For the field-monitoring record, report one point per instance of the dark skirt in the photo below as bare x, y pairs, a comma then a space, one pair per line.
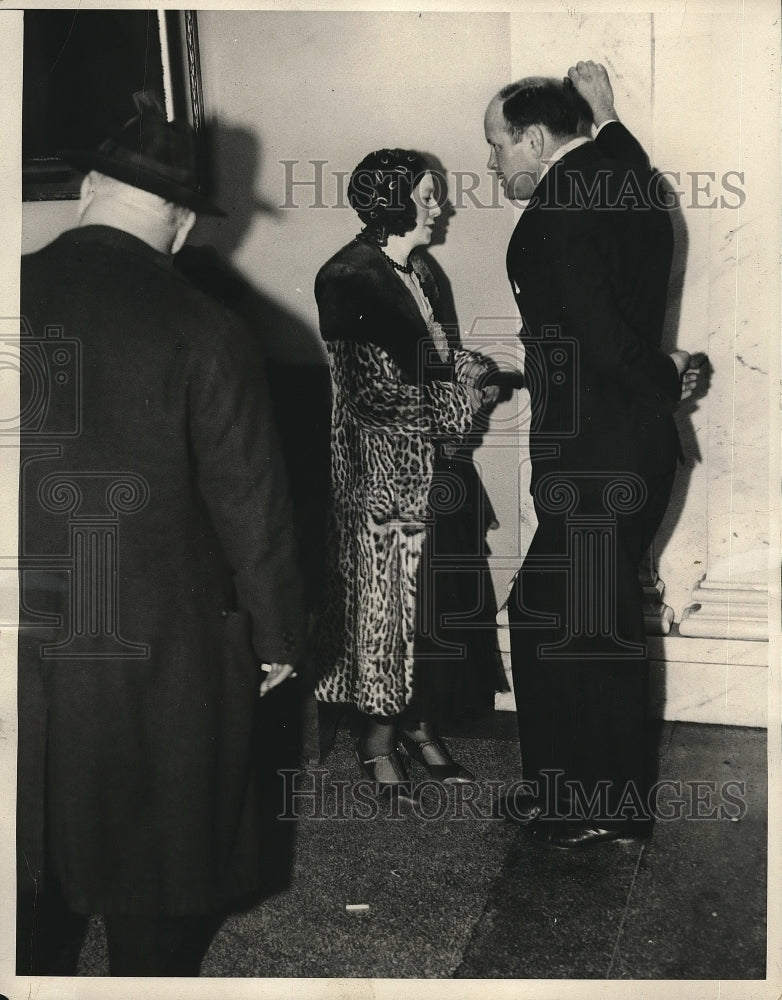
458, 667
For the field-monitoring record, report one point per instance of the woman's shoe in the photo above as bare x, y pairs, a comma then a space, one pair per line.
401, 790
449, 773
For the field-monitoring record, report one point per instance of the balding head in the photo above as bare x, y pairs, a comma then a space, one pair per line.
537, 100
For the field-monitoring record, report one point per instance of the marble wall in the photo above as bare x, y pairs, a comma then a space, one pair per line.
700, 89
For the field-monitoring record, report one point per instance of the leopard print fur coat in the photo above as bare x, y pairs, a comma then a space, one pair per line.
385, 430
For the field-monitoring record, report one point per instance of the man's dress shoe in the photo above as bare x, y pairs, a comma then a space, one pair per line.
569, 836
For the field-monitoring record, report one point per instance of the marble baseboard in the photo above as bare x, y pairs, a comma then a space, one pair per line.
721, 681
693, 680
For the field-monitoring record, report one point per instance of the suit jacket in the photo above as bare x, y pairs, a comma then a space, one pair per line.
589, 262
156, 535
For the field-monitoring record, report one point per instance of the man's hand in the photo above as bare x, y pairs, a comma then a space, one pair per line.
682, 361
591, 81
276, 673
480, 397
694, 374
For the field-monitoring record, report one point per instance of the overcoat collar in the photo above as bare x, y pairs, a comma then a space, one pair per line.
117, 239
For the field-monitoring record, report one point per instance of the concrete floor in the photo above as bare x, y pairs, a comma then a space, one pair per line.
452, 892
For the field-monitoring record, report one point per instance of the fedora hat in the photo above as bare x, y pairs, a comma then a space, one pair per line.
150, 153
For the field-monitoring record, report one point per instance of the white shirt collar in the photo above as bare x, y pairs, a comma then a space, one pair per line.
560, 152
556, 155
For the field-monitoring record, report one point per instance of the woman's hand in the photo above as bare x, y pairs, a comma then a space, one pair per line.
472, 370
472, 374
475, 395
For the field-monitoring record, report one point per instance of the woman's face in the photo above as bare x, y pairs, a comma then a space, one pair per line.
426, 211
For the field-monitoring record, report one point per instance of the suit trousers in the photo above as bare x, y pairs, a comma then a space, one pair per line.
579, 658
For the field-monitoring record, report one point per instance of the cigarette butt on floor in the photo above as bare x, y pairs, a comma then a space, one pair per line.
357, 907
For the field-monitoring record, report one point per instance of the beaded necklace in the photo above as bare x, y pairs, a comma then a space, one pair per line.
404, 268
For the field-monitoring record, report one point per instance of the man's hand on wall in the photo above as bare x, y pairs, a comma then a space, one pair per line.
591, 81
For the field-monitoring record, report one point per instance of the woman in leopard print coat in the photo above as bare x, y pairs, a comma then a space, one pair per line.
401, 398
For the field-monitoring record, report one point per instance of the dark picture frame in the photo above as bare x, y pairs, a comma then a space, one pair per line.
81, 68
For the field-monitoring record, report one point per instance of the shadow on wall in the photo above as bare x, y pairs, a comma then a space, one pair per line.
447, 315
235, 162
674, 337
298, 376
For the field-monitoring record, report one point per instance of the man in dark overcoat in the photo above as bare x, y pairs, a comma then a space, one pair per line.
158, 572
588, 263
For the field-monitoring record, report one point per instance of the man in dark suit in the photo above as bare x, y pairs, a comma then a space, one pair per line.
158, 578
588, 263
